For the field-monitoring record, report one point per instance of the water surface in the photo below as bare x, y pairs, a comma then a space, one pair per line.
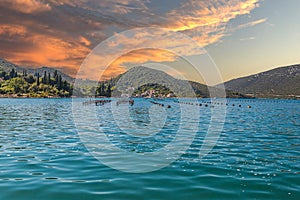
256, 157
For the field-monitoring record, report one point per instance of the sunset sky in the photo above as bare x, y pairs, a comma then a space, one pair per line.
242, 37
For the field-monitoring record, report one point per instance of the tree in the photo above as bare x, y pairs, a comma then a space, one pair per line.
3, 74
44, 79
48, 79
38, 79
98, 90
30, 79
15, 86
108, 92
65, 86
24, 73
12, 73
59, 83
102, 91
55, 76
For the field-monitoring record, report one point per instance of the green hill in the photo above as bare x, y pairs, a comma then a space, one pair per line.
20, 82
8, 66
142, 80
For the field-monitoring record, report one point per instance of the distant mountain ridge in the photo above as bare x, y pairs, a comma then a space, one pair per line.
282, 82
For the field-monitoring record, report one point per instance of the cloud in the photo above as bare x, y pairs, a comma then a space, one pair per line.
25, 6
12, 30
213, 13
94, 68
247, 39
203, 21
134, 58
84, 41
250, 24
61, 33
119, 7
38, 49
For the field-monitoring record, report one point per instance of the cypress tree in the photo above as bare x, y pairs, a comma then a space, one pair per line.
108, 93
65, 85
98, 91
59, 83
24, 73
44, 79
102, 91
55, 76
38, 79
12, 73
49, 79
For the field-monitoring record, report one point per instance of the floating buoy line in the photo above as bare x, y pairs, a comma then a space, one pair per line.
213, 103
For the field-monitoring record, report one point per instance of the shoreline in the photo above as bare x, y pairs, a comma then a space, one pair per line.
15, 96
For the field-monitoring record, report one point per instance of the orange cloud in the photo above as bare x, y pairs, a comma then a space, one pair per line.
12, 30
121, 64
26, 6
205, 23
44, 49
208, 13
84, 41
40, 42
137, 57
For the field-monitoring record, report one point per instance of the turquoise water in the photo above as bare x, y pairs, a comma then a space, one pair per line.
257, 155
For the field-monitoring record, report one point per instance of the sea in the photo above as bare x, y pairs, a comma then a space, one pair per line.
155, 149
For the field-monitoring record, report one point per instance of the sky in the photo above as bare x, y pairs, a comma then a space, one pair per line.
241, 37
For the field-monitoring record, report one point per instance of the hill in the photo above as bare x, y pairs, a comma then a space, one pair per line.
143, 81
8, 66
282, 82
16, 81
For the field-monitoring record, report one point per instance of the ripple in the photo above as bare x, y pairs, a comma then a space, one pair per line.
256, 157
51, 178
37, 174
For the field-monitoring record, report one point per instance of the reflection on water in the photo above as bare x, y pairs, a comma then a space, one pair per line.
257, 156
